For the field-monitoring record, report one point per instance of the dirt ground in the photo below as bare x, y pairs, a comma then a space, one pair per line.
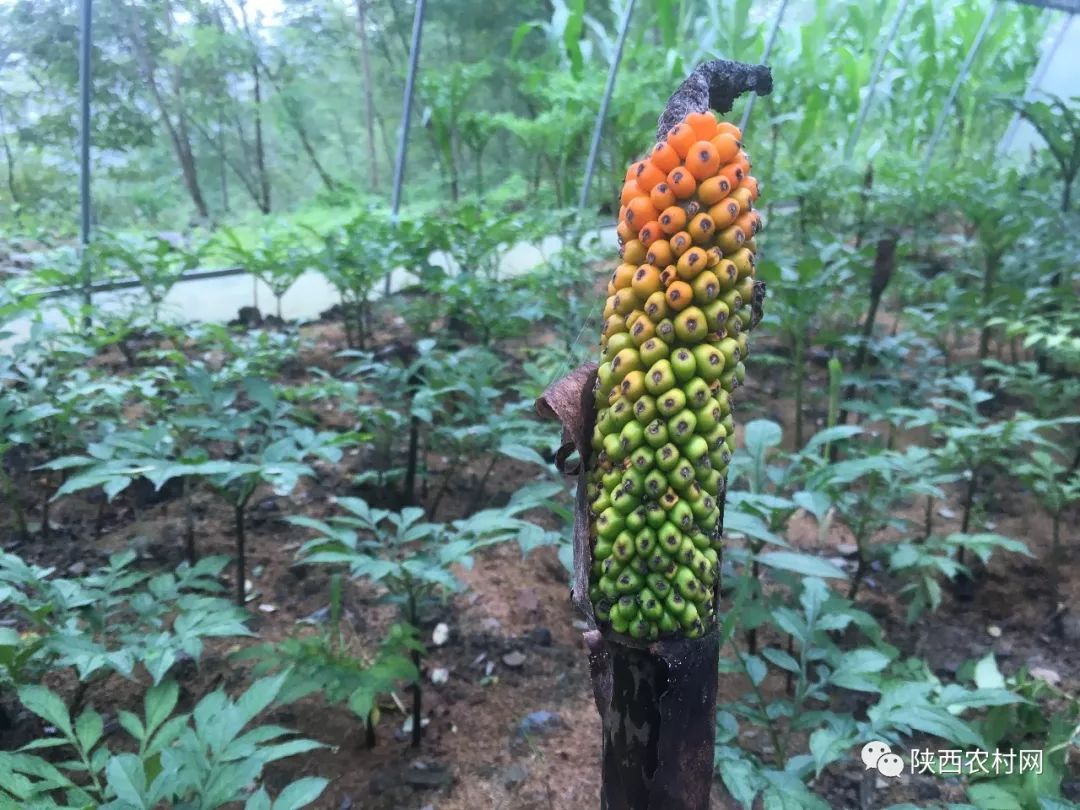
521, 731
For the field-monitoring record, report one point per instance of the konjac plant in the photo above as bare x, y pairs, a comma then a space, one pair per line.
653, 427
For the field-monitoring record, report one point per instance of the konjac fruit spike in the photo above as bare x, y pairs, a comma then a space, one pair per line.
674, 341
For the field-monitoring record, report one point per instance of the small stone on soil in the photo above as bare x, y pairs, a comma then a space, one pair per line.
540, 722
440, 634
423, 775
514, 775
540, 636
514, 660
320, 616
440, 675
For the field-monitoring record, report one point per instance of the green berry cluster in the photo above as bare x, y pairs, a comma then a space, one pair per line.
663, 439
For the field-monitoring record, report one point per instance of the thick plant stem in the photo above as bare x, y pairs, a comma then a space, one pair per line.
884, 264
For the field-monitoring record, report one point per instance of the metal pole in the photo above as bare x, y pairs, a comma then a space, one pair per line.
879, 62
965, 67
598, 128
84, 155
406, 116
770, 40
1036, 79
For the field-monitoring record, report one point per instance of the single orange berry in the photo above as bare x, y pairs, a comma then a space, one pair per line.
645, 282
609, 307
703, 124
662, 196
650, 232
630, 190
660, 253
691, 263
682, 137
727, 126
750, 222
752, 184
625, 301
713, 189
622, 276
703, 160
672, 219
625, 231
680, 243
733, 173
727, 146
668, 275
679, 295
682, 183
730, 239
744, 198
639, 211
664, 157
743, 162
701, 229
724, 213
648, 175
728, 273
633, 252
613, 324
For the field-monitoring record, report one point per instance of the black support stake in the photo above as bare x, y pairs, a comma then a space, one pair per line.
85, 41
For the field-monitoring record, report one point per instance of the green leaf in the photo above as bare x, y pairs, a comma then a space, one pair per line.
741, 779
938, 721
131, 724
301, 793
88, 729
833, 434
755, 668
260, 800
128, 780
804, 564
158, 704
780, 659
854, 665
760, 435
48, 706
522, 452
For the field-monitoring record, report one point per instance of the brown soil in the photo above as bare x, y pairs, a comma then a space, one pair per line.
473, 755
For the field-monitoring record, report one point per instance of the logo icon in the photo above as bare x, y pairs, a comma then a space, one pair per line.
877, 756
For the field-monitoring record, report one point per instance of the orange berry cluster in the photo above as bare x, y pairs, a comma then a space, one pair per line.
695, 188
